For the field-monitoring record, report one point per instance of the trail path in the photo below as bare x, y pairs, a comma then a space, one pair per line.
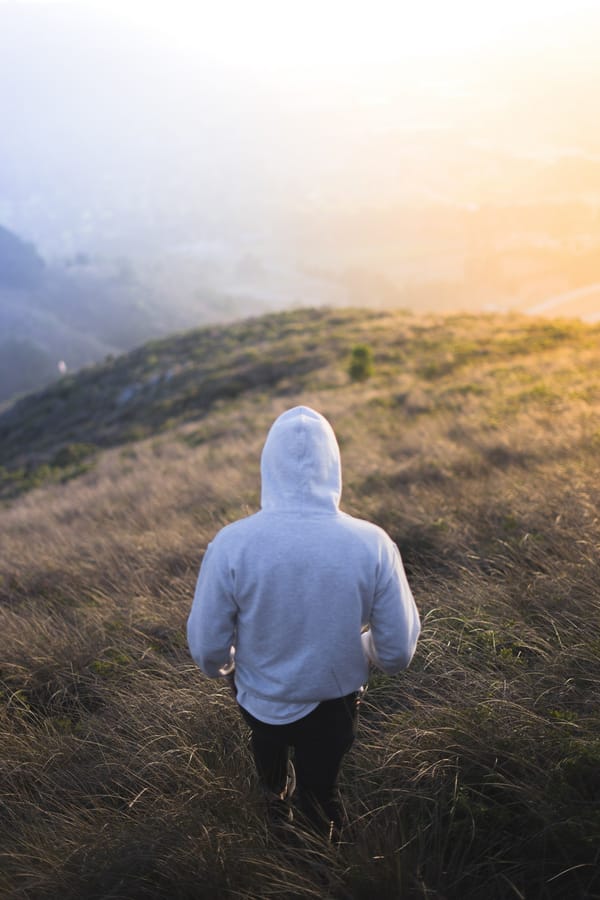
589, 292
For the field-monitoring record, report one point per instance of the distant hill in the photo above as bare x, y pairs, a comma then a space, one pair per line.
77, 312
582, 302
21, 266
83, 309
169, 381
172, 381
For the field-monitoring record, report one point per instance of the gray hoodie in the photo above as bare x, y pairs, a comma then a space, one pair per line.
291, 587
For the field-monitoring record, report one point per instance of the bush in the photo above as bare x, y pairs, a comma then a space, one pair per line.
72, 454
361, 363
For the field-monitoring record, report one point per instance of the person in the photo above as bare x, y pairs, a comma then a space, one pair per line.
304, 598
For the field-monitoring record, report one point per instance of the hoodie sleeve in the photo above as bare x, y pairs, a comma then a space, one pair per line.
212, 620
395, 625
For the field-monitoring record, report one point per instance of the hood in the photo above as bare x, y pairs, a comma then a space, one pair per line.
300, 464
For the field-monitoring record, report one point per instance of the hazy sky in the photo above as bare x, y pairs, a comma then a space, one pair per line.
288, 32
342, 31
144, 110
271, 127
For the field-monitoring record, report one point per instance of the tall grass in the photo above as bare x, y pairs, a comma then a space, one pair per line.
126, 774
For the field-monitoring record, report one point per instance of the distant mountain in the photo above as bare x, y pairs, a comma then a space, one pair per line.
21, 267
24, 366
74, 313
43, 318
86, 308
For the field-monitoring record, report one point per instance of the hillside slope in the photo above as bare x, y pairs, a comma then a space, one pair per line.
475, 444
20, 264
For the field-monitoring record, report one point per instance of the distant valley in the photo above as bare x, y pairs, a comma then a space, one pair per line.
57, 317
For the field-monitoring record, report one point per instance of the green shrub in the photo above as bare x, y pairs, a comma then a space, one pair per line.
361, 362
72, 454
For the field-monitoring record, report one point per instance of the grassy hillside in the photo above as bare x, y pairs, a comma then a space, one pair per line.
126, 774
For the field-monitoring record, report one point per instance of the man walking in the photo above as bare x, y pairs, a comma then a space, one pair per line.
289, 590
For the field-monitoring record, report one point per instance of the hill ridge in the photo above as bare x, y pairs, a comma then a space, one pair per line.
170, 381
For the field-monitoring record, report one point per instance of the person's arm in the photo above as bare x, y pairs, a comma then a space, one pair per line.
212, 621
395, 625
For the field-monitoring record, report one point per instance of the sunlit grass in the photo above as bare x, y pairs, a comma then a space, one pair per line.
126, 773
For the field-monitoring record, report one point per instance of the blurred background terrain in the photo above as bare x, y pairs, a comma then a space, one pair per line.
165, 167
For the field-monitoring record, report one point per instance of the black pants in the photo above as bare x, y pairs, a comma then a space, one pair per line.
320, 741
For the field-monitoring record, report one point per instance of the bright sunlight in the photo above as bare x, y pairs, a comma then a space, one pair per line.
268, 32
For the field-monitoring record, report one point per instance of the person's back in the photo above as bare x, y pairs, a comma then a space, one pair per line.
292, 587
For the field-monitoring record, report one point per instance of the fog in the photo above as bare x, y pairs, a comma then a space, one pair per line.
446, 177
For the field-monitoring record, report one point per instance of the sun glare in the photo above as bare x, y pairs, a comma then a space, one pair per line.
272, 32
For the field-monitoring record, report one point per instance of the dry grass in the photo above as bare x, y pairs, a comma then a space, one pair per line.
126, 774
